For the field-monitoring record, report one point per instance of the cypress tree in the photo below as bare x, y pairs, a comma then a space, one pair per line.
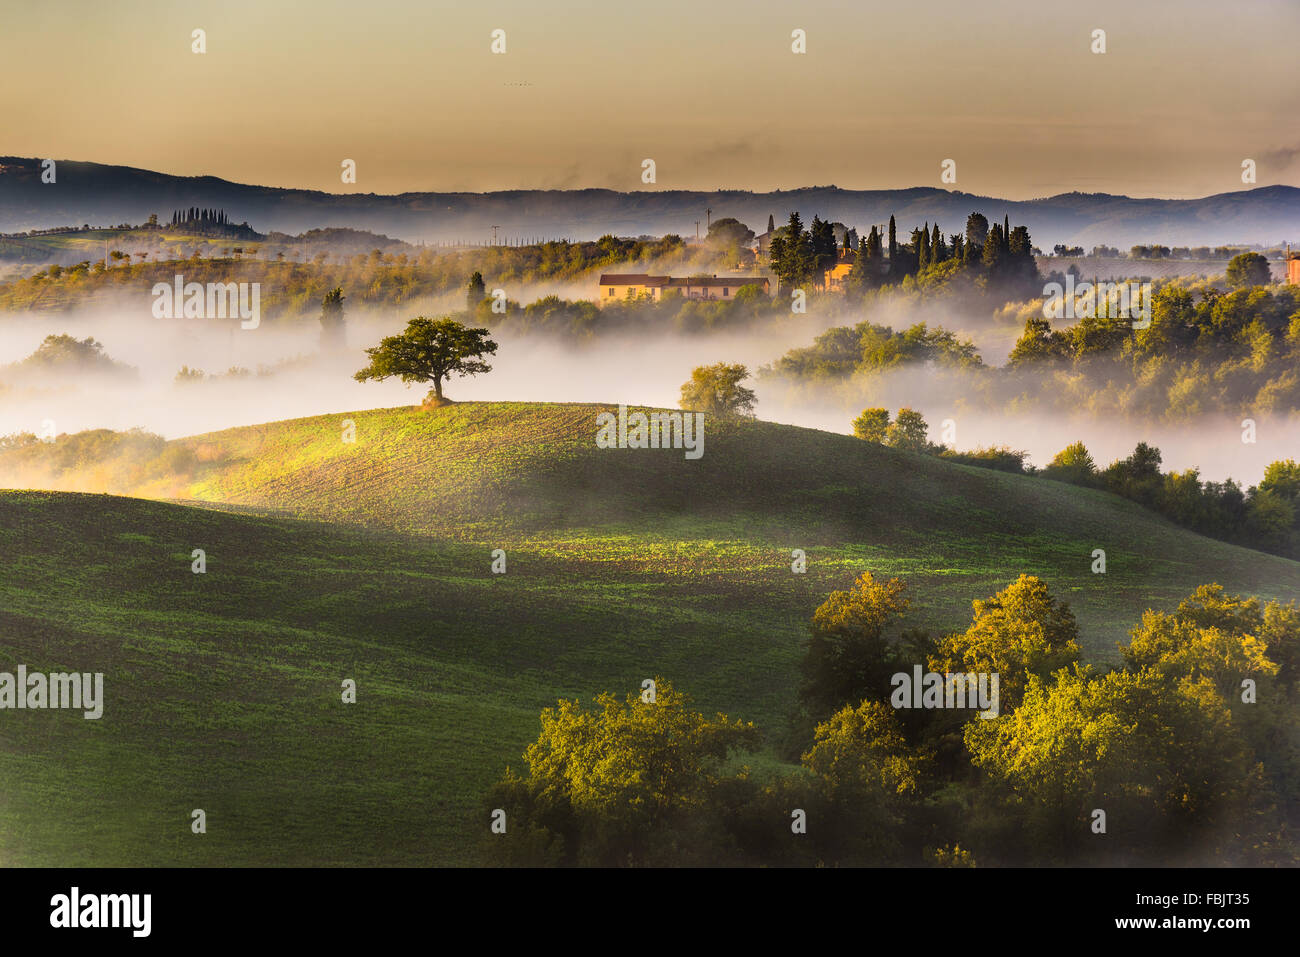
893, 239
923, 248
873, 244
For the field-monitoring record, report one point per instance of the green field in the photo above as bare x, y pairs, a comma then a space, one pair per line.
371, 560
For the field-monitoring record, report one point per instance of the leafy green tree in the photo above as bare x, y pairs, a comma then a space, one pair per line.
728, 236
874, 250
908, 431
1283, 477
864, 745
1072, 464
824, 248
1248, 269
1161, 758
618, 784
872, 425
1021, 631
716, 390
994, 255
977, 232
792, 254
67, 354
1039, 343
848, 656
1213, 635
429, 350
1138, 476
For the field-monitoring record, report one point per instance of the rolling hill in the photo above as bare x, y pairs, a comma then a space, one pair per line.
371, 560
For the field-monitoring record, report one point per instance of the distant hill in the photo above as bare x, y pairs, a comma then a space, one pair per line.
100, 194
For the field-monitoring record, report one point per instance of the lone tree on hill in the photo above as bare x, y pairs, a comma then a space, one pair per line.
429, 350
716, 390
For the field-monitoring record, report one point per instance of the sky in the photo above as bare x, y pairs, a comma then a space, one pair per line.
1010, 90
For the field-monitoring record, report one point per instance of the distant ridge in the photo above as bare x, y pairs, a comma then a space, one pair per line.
102, 195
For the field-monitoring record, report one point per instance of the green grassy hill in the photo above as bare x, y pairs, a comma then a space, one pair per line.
371, 560
530, 477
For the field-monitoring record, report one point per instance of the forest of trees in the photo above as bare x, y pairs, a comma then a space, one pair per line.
1176, 746
995, 261
998, 258
1207, 350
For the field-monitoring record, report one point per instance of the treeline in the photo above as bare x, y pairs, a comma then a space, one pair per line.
211, 222
582, 319
1206, 349
377, 279
1265, 517
844, 350
999, 260
1175, 756
1158, 251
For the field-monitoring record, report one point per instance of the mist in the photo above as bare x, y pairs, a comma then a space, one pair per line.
289, 377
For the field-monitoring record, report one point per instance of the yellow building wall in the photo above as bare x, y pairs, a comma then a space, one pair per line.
620, 292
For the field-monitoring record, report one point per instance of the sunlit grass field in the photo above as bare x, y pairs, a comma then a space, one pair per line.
371, 560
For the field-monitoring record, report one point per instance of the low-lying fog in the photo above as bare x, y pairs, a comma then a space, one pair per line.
637, 370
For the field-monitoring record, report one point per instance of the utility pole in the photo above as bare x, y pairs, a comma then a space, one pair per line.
697, 230
494, 234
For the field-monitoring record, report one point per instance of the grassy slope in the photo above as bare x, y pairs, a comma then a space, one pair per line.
223, 688
528, 476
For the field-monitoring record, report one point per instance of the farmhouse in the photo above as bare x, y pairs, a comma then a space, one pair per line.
616, 287
833, 278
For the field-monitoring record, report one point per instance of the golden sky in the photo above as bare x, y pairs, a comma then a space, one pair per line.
711, 91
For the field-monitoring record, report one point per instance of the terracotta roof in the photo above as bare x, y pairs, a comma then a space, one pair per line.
645, 279
715, 281
631, 279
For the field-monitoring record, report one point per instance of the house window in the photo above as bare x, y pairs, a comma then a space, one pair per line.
611, 290
725, 293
